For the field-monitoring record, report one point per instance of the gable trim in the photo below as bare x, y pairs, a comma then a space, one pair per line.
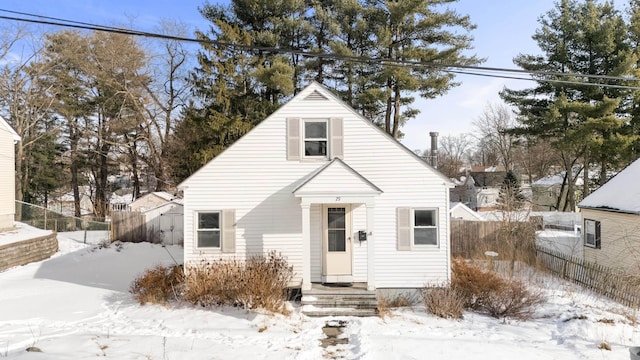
10, 129
349, 168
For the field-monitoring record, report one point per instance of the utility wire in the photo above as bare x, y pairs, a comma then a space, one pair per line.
450, 68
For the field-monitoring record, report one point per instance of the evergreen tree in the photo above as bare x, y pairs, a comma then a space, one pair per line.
580, 121
244, 84
510, 197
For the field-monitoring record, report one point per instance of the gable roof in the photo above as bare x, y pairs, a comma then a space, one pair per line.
325, 177
458, 205
620, 194
5, 124
317, 92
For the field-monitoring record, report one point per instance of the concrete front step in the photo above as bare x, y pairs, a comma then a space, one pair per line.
349, 300
314, 311
324, 302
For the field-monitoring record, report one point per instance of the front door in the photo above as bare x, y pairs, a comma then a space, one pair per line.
336, 244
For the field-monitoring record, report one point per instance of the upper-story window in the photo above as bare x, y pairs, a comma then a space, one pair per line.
315, 138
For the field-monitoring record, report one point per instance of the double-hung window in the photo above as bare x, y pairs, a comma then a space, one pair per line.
208, 229
592, 233
425, 229
316, 138
417, 228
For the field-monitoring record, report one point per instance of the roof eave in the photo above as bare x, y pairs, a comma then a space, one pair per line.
620, 211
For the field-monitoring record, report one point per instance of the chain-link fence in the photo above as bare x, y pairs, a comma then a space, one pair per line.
84, 229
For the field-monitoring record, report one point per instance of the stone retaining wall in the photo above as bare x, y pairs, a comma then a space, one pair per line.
27, 251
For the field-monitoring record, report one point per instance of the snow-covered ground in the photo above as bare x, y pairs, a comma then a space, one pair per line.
76, 305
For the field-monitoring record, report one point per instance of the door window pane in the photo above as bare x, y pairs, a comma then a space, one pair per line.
336, 229
337, 240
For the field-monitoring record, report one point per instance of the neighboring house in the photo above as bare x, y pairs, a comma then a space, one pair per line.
465, 192
611, 221
339, 198
8, 139
548, 191
150, 200
64, 204
459, 210
479, 189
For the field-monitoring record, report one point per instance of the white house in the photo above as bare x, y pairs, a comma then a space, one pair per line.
8, 138
317, 182
611, 221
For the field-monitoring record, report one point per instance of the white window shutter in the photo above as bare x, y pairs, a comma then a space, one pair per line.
228, 231
293, 139
336, 146
403, 220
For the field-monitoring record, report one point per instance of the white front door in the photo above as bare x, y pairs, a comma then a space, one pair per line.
336, 244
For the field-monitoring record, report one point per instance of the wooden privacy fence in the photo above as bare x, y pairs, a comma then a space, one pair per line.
128, 226
615, 285
471, 239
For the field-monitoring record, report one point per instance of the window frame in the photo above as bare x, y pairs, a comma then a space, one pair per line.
198, 230
414, 227
597, 236
326, 139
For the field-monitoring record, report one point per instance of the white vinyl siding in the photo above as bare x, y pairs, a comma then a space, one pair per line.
7, 178
255, 178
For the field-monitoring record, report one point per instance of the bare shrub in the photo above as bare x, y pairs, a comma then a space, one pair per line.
158, 285
387, 303
445, 302
513, 300
486, 292
258, 282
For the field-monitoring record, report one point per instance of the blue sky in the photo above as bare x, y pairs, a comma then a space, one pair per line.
504, 29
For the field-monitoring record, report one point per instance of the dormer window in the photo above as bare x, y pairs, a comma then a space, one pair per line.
315, 138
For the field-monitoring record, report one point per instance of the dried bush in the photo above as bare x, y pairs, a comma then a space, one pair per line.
486, 292
445, 302
512, 300
386, 303
473, 283
258, 282
158, 285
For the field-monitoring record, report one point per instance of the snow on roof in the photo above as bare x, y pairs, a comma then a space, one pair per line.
121, 199
556, 179
621, 193
164, 195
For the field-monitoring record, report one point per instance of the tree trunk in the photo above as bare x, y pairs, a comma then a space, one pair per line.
19, 179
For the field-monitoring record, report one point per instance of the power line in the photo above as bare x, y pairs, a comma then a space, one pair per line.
450, 68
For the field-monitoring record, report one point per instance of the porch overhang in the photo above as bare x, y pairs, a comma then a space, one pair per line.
336, 183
